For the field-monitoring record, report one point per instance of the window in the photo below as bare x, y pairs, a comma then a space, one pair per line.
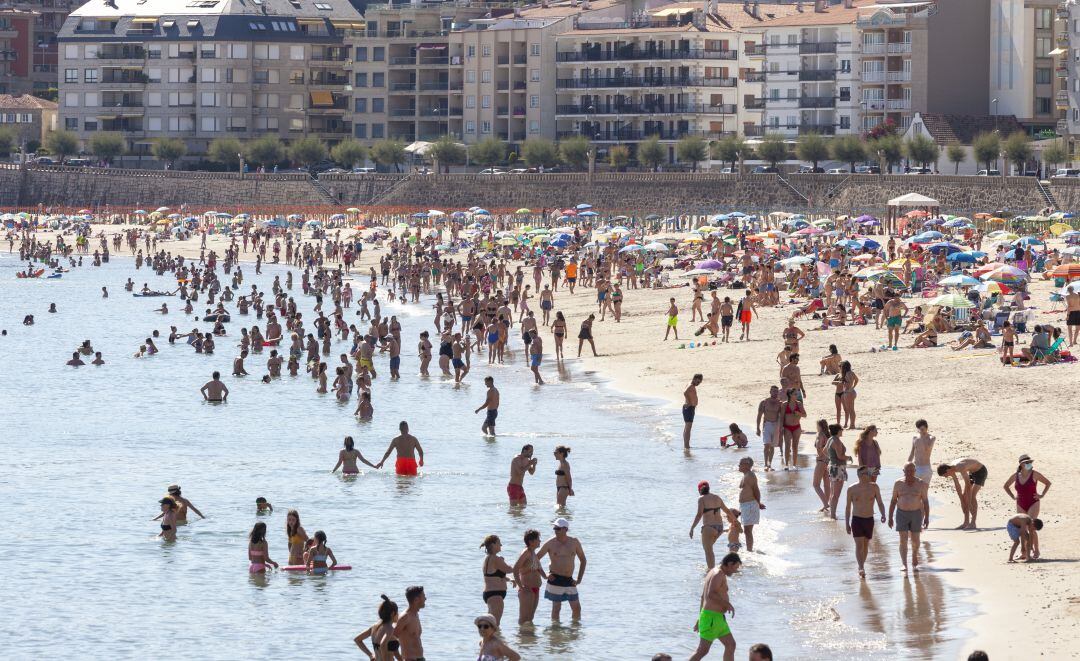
91, 99
154, 75
485, 76
792, 39
485, 127
361, 54
238, 100
296, 77
153, 99
296, 102
377, 131
774, 94
71, 123
845, 66
1042, 76
534, 75
1042, 105
210, 99
296, 52
845, 93
470, 51
470, 126
485, 50
534, 126
534, 50
210, 124
266, 123
378, 79
71, 51
267, 52
71, 100
1044, 18
378, 54
210, 75
470, 101
470, 76
90, 125
90, 75
71, 75
237, 76
1042, 47
791, 94
774, 122
360, 130
153, 123
296, 125
361, 79
360, 105
485, 101
534, 101
378, 105
322, 6
237, 51
845, 122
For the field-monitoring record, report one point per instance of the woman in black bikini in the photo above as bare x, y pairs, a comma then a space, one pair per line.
495, 570
558, 328
709, 507
585, 335
564, 484
381, 634
168, 519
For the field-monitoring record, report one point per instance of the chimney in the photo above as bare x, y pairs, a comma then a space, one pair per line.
820, 5
848, 4
754, 10
746, 6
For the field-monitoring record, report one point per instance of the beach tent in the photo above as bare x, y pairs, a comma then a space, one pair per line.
900, 207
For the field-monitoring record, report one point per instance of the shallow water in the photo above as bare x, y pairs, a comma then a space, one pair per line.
86, 453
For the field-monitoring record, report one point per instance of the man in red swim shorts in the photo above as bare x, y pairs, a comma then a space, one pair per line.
521, 464
407, 448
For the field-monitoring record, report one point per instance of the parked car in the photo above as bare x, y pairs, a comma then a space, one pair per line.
363, 170
988, 173
806, 169
492, 171
727, 171
44, 160
920, 171
867, 169
1066, 172
336, 171
837, 171
521, 171
765, 169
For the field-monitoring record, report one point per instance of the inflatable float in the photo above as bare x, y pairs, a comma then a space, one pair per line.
35, 274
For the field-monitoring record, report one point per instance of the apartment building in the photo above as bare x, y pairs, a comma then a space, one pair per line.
668, 70
217, 68
49, 17
1067, 71
16, 50
1026, 35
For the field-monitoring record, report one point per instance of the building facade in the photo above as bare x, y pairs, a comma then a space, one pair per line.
29, 117
219, 68
16, 51
1026, 36
49, 17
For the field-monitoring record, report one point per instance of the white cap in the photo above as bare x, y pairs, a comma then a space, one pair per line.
561, 523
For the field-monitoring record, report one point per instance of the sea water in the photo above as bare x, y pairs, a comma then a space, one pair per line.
86, 453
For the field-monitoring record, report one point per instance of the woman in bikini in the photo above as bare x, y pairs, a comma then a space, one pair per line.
347, 458
564, 483
845, 383
168, 519
492, 646
558, 329
868, 452
836, 453
529, 576
381, 634
822, 485
258, 551
297, 537
709, 509
792, 429
495, 570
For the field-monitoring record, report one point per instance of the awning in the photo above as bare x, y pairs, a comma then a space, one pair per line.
168, 24
1059, 51
431, 47
673, 11
146, 20
321, 99
107, 117
349, 25
310, 21
192, 24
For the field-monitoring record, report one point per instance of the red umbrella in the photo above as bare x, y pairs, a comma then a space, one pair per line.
1068, 271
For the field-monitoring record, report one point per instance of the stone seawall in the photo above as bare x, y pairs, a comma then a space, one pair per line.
636, 193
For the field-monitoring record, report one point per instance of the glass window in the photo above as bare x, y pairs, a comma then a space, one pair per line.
485, 76
378, 105
470, 101
153, 123
534, 75
71, 123
1042, 47
486, 51
470, 76
534, 101
534, 126
360, 130
90, 125
71, 75
1043, 18
377, 131
378, 53
1042, 105
485, 127
378, 79
361, 80
470, 126
485, 101
534, 50
361, 55
90, 75
361, 105
1042, 76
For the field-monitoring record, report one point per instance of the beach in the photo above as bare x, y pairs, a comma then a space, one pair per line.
974, 405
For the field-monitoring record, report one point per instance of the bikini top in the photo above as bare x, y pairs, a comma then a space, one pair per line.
560, 473
498, 573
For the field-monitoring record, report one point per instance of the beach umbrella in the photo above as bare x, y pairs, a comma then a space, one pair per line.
1070, 234
705, 229
823, 222
1005, 274
653, 216
420, 214
737, 214
656, 246
944, 247
435, 212
1068, 271
620, 230
1071, 288
352, 210
481, 212
506, 241
161, 210
582, 207
865, 218
560, 243
1029, 241
962, 257
313, 224
959, 281
849, 244
774, 234
917, 213
1057, 229
523, 210
993, 288
693, 239
710, 265
809, 231
633, 247
82, 211
588, 214
952, 301
539, 230
797, 260
696, 272
901, 263
865, 257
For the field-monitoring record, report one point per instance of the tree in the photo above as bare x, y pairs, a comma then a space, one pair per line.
107, 145
62, 144
651, 153
7, 140
266, 151
574, 151
888, 127
692, 149
812, 147
1055, 154
308, 151
987, 147
169, 150
729, 150
1017, 148
618, 157
849, 149
488, 151
889, 148
922, 150
348, 153
388, 152
32, 146
445, 152
538, 152
225, 151
772, 149
956, 155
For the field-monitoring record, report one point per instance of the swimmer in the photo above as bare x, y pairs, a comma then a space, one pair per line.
529, 577
561, 584
238, 365
297, 537
183, 504
52, 308
75, 360
168, 519
407, 448
491, 403
214, 390
98, 360
262, 505
521, 464
316, 563
364, 409
347, 458
258, 551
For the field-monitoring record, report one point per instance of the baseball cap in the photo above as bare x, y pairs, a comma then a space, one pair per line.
561, 523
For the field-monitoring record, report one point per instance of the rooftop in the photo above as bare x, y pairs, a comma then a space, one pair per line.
270, 8
962, 129
25, 102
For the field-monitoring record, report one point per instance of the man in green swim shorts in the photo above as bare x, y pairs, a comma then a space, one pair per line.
712, 622
894, 312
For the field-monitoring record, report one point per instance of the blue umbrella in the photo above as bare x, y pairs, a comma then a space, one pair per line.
481, 212
584, 206
588, 213
869, 243
560, 243
737, 214
720, 217
850, 244
944, 247
962, 257
420, 214
458, 214
1028, 241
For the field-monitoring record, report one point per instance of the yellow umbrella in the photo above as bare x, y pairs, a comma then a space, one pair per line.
161, 221
523, 210
507, 241
998, 221
693, 239
705, 229
900, 263
1058, 228
352, 210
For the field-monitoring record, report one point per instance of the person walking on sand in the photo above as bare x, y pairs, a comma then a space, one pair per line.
536, 358
672, 319
973, 473
491, 403
836, 452
893, 312
690, 402
716, 605
911, 505
750, 504
709, 508
408, 448
408, 629
561, 586
859, 514
585, 335
921, 447
746, 312
821, 482
768, 423
1028, 501
521, 464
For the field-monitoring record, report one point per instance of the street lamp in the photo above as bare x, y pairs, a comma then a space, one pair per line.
995, 102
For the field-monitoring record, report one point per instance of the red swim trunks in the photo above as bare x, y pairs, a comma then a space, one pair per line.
515, 491
746, 316
405, 466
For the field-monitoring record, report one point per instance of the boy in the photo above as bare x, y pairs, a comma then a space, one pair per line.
734, 531
262, 505
1019, 528
921, 447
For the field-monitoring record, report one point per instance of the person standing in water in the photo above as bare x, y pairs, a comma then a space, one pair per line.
521, 464
750, 504
859, 514
495, 570
214, 390
297, 537
168, 519
408, 629
690, 402
715, 606
258, 551
407, 448
348, 457
380, 633
492, 646
529, 576
317, 555
561, 586
564, 482
182, 504
709, 508
491, 403
911, 505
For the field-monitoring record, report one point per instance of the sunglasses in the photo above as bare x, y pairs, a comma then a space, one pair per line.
483, 626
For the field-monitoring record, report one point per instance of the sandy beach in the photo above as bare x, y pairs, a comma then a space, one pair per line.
974, 405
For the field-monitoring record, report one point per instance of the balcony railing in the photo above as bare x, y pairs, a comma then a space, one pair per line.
437, 112
753, 130
125, 54
503, 59
647, 81
821, 129
622, 135
403, 112
873, 49
873, 76
903, 47
403, 87
625, 54
876, 105
817, 102
502, 85
521, 59
898, 76
435, 86
813, 48
897, 104
754, 76
403, 61
329, 80
124, 77
647, 109
754, 104
757, 50
502, 110
817, 74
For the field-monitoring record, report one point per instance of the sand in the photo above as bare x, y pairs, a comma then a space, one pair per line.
974, 405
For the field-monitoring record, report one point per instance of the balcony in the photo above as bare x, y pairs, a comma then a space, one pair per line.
754, 76
898, 104
433, 61
817, 102
753, 130
403, 61
873, 76
435, 86
625, 134
502, 110
873, 105
318, 79
626, 54
502, 85
899, 49
757, 50
816, 75
403, 87
873, 49
754, 104
402, 112
121, 54
647, 109
518, 137
817, 48
820, 129
521, 59
1061, 100
502, 59
124, 77
337, 106
438, 111
898, 76
1062, 72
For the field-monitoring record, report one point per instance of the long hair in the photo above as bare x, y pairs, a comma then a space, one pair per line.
258, 533
290, 529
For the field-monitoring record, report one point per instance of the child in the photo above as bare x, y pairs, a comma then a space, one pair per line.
262, 505
294, 365
738, 438
734, 531
1019, 528
364, 409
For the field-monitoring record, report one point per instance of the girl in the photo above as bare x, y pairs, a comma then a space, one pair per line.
347, 459
495, 570
738, 438
709, 507
564, 483
316, 563
296, 536
381, 634
845, 383
792, 429
558, 329
258, 551
529, 576
822, 486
